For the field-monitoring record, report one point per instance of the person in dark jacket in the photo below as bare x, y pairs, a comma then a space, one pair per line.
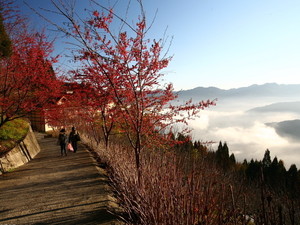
62, 140
73, 138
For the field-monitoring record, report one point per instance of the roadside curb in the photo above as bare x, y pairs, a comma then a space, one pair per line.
25, 151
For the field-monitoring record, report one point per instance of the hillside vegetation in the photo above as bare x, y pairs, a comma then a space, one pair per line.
191, 184
12, 133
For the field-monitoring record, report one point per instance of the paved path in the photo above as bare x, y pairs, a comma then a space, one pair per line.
55, 190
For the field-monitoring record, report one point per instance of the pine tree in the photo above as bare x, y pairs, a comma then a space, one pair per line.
292, 180
253, 170
266, 166
5, 42
222, 156
219, 153
232, 160
276, 176
267, 159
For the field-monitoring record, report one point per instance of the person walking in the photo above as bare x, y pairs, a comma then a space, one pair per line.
62, 140
74, 138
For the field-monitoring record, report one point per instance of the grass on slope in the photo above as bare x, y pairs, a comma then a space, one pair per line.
12, 133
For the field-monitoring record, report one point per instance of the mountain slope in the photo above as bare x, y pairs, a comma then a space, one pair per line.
293, 107
253, 91
289, 129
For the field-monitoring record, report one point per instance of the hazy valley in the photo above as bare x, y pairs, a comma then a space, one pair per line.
251, 120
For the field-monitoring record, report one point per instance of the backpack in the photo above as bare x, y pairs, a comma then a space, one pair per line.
62, 138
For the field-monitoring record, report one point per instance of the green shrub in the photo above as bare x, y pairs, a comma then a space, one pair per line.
12, 133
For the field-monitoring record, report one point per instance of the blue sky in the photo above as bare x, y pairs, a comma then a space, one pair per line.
226, 44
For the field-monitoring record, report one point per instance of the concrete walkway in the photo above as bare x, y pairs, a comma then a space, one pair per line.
52, 189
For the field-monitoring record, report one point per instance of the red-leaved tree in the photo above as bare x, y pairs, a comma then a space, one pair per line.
27, 80
126, 68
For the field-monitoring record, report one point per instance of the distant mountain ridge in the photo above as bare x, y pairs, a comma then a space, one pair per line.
293, 107
264, 90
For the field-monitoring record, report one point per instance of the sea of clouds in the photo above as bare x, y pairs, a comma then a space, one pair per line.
248, 134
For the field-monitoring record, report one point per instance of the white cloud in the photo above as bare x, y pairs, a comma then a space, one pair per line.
201, 123
246, 134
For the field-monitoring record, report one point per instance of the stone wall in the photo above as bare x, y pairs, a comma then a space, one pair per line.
21, 154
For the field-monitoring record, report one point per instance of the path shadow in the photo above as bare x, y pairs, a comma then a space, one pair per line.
52, 189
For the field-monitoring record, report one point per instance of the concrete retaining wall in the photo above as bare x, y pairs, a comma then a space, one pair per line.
21, 154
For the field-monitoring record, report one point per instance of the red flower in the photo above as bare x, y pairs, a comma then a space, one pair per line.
96, 14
